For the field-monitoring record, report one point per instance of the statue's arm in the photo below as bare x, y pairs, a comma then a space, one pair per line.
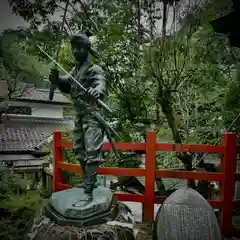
64, 83
97, 77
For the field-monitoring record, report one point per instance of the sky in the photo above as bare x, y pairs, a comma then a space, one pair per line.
7, 19
10, 20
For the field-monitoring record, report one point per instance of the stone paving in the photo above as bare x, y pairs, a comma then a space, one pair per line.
136, 209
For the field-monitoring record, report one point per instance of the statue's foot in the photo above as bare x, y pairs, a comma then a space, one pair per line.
82, 185
88, 189
84, 201
90, 197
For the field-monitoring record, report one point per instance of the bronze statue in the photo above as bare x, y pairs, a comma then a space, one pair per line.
88, 133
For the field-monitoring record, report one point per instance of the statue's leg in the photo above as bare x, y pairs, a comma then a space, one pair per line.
78, 145
93, 141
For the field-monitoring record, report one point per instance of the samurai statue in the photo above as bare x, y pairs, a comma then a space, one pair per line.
88, 134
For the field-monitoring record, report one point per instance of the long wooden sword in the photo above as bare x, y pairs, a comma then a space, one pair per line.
99, 102
52, 88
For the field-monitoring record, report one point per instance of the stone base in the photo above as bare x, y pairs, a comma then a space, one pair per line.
119, 227
72, 207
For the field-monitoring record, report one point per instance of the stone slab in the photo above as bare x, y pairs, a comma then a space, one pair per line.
185, 214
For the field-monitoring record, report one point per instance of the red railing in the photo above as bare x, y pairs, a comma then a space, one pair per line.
226, 176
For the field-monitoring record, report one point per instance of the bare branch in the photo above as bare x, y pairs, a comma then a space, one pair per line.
88, 16
63, 8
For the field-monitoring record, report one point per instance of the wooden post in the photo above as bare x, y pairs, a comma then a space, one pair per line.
149, 197
44, 178
228, 167
57, 157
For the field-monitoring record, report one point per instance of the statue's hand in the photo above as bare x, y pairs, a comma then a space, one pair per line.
53, 76
94, 93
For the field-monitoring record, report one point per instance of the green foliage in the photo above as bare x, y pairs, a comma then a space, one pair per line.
22, 209
68, 154
124, 160
68, 111
122, 58
185, 75
231, 107
17, 62
168, 160
180, 79
29, 10
17, 66
21, 205
11, 184
66, 56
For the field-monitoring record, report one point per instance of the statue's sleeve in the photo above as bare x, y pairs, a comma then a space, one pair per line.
97, 77
64, 83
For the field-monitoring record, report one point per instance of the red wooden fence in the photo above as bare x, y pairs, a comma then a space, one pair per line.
226, 176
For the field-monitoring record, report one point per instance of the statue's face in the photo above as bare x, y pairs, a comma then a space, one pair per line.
80, 53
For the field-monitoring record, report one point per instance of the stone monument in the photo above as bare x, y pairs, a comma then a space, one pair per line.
185, 214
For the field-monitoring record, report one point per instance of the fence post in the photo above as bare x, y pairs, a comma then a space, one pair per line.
57, 157
149, 196
228, 167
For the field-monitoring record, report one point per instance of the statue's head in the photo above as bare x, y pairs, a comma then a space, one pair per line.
81, 47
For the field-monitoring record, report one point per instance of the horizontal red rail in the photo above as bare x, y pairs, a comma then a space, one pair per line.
107, 146
238, 149
167, 147
189, 175
237, 176
105, 171
126, 197
141, 172
236, 203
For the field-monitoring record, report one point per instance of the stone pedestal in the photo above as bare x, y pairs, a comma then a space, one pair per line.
69, 215
72, 207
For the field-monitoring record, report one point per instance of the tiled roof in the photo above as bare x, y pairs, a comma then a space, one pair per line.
23, 133
42, 95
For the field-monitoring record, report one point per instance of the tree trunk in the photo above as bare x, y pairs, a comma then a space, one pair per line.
164, 100
164, 23
138, 7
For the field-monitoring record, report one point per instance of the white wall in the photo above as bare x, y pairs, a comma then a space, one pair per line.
47, 110
43, 110
4, 88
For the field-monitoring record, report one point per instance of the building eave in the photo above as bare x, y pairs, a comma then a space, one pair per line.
31, 152
22, 117
44, 102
